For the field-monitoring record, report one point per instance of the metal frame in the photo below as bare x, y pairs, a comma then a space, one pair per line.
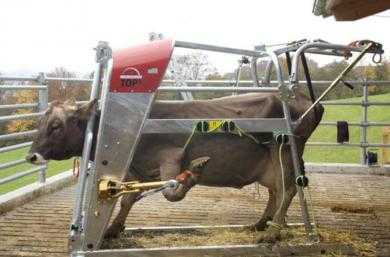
119, 134
40, 106
90, 215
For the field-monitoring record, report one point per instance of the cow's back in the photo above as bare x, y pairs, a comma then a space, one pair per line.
253, 105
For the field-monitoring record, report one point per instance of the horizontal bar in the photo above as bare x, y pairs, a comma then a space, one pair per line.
16, 87
20, 175
68, 79
346, 144
362, 103
166, 126
218, 89
11, 164
14, 147
221, 49
19, 78
357, 124
335, 102
222, 82
17, 106
334, 123
20, 116
18, 135
316, 249
128, 231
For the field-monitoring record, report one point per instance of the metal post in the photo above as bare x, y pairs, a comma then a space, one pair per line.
43, 102
293, 147
363, 129
103, 54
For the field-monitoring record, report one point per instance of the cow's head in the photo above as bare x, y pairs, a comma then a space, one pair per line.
61, 132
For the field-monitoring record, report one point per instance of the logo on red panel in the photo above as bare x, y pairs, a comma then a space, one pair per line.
130, 77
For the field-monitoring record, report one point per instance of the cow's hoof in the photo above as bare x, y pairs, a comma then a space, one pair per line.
261, 225
272, 235
113, 231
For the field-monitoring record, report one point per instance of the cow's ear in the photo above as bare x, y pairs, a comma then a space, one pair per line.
86, 110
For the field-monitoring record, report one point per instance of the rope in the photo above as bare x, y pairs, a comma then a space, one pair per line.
312, 210
282, 174
239, 131
190, 138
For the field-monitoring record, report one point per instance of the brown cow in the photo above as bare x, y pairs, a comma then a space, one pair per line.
162, 157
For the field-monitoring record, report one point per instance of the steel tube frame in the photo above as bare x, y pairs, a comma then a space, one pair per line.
18, 78
305, 47
15, 87
20, 175
81, 185
334, 83
18, 106
11, 164
14, 147
292, 145
218, 89
20, 116
366, 145
220, 49
363, 129
18, 135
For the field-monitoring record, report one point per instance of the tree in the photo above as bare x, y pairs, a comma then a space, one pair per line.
62, 90
19, 97
193, 66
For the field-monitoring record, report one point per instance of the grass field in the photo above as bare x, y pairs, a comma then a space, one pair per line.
54, 167
350, 114
312, 154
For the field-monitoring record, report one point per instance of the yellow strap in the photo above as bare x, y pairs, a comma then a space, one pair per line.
214, 125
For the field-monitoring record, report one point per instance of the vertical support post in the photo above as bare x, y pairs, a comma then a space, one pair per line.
363, 128
43, 102
285, 96
103, 54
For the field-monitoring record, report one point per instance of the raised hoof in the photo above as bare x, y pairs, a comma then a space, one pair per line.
272, 235
198, 164
113, 231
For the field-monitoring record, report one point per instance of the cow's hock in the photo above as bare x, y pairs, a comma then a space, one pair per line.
187, 179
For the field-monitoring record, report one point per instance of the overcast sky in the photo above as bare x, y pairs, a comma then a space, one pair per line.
40, 35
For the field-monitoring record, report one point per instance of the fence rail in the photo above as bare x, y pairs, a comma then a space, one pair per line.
168, 86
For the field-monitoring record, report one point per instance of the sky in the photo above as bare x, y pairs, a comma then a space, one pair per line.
40, 35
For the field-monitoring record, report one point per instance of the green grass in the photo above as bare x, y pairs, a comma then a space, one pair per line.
54, 167
350, 114
312, 153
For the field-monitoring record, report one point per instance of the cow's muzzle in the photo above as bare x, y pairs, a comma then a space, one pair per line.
35, 158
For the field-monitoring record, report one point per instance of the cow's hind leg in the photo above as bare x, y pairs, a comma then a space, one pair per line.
268, 212
283, 202
117, 225
171, 169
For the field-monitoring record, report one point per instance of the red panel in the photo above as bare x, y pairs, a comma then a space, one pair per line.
140, 69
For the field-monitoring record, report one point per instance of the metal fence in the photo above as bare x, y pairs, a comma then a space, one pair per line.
41, 86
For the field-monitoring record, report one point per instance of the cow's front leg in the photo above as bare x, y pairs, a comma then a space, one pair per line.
118, 223
269, 212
